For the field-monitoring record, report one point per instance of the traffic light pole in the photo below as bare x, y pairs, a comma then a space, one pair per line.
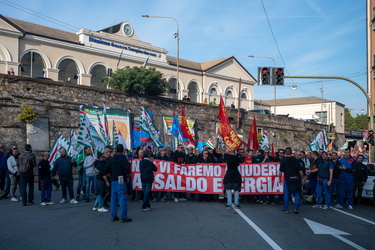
370, 106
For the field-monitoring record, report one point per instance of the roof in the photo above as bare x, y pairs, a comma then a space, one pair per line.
298, 101
36, 29
202, 66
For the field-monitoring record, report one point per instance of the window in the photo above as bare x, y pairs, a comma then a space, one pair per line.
229, 94
193, 92
32, 65
68, 70
322, 116
98, 72
243, 96
172, 93
213, 91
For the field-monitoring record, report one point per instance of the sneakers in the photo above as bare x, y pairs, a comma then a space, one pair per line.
102, 210
147, 209
227, 206
325, 207
317, 206
94, 209
237, 206
285, 211
295, 211
14, 199
162, 200
350, 207
125, 220
175, 200
338, 206
74, 201
50, 203
62, 201
182, 199
43, 203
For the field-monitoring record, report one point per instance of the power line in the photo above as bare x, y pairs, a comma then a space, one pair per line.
41, 16
274, 38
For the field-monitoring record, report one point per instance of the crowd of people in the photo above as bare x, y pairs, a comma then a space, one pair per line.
107, 177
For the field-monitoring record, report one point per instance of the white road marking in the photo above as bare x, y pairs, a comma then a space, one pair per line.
355, 216
258, 230
348, 242
319, 228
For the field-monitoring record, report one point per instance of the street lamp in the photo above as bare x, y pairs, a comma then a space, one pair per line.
177, 37
274, 86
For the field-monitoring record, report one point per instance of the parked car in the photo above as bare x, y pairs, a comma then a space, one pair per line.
261, 111
369, 185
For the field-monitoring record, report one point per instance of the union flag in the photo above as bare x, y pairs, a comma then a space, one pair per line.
225, 130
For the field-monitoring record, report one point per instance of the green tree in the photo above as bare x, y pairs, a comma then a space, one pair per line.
137, 80
360, 122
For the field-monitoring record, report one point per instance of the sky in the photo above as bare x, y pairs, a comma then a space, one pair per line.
313, 37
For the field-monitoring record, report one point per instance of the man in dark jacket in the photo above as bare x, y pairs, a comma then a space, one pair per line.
44, 172
147, 169
26, 163
64, 167
119, 170
360, 178
293, 176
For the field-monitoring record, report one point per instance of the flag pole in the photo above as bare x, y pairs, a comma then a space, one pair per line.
239, 105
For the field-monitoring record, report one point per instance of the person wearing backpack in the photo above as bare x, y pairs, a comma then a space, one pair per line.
26, 163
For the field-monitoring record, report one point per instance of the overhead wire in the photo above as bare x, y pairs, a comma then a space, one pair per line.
39, 15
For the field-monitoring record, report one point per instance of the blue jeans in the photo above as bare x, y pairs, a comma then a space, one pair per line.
327, 192
27, 180
346, 187
312, 186
118, 190
146, 188
81, 183
296, 195
99, 201
67, 182
46, 189
335, 185
89, 179
229, 197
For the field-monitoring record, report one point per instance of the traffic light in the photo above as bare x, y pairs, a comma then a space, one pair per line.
278, 75
371, 137
264, 75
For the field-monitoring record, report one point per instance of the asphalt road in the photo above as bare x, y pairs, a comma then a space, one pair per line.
183, 225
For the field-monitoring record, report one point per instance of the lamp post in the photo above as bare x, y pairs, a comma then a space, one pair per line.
177, 37
274, 86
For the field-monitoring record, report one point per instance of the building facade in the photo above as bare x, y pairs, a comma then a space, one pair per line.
324, 111
86, 57
371, 50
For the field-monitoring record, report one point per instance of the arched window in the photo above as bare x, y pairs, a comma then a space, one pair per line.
193, 92
229, 94
98, 72
32, 65
243, 96
173, 91
68, 70
213, 91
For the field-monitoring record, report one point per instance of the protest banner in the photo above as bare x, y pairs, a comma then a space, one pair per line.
208, 178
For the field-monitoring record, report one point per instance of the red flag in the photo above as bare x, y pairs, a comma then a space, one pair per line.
184, 127
226, 131
253, 137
